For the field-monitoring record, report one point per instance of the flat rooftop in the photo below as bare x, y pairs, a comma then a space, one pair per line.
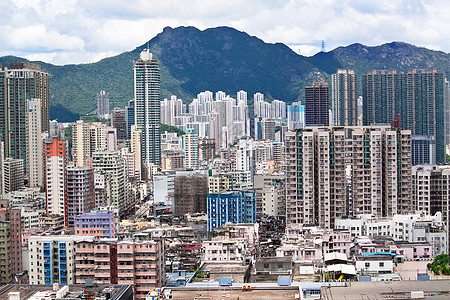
226, 293
75, 291
374, 290
236, 271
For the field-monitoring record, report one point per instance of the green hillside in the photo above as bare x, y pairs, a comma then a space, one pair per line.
220, 58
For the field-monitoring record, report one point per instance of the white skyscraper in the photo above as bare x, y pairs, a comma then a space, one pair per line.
34, 149
147, 106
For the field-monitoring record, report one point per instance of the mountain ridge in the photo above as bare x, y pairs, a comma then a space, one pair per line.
220, 58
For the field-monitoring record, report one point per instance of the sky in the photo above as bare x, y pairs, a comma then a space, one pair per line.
83, 31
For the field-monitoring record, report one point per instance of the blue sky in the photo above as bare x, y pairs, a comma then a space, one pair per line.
76, 31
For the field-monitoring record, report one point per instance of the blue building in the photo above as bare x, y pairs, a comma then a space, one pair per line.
296, 116
258, 129
129, 117
234, 207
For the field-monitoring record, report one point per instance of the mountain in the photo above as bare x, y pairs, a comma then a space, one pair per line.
224, 59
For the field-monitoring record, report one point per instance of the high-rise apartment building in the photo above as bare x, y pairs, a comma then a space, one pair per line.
206, 149
268, 129
129, 117
295, 116
13, 174
55, 170
14, 217
80, 196
5, 252
447, 113
18, 84
270, 195
112, 163
170, 109
35, 145
136, 148
423, 150
245, 156
316, 104
2, 170
344, 99
431, 190
430, 184
147, 106
88, 138
190, 145
333, 172
119, 123
103, 104
417, 96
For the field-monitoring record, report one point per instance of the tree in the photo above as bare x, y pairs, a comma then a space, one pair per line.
440, 265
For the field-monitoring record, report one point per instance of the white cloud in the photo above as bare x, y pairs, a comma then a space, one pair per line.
40, 38
73, 31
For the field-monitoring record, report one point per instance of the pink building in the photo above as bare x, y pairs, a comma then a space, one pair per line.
96, 260
244, 231
225, 250
13, 215
412, 250
138, 263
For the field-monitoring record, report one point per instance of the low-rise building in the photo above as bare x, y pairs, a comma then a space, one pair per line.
225, 251
52, 258
96, 223
412, 228
369, 264
274, 265
109, 261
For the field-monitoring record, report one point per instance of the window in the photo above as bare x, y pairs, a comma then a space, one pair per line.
367, 265
381, 264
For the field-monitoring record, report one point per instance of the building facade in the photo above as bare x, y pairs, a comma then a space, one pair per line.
52, 259
344, 99
35, 145
190, 194
137, 263
96, 223
13, 174
119, 123
5, 252
18, 84
55, 172
103, 104
417, 96
147, 106
80, 196
14, 217
233, 207
316, 104
190, 145
112, 163
337, 171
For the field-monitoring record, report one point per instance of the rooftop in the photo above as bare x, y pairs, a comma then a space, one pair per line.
75, 291
434, 289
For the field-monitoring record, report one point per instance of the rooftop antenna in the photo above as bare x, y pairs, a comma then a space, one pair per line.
323, 46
